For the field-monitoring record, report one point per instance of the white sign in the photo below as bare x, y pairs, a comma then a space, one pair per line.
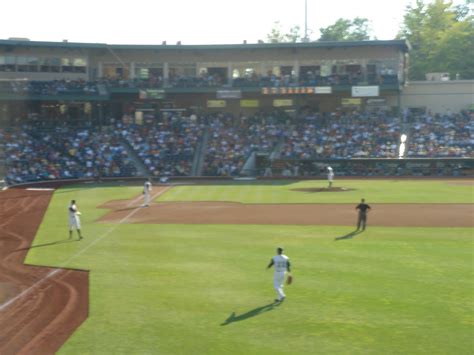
323, 90
365, 91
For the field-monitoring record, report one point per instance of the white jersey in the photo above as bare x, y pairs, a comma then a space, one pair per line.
147, 188
74, 220
330, 175
280, 262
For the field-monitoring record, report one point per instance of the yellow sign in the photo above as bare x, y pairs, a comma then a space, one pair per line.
249, 103
282, 103
216, 103
351, 102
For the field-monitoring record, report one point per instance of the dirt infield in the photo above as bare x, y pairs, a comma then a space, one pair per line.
392, 215
39, 310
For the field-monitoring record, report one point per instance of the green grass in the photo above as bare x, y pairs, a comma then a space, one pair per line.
169, 289
375, 191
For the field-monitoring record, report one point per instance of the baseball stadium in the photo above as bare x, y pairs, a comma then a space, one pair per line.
146, 188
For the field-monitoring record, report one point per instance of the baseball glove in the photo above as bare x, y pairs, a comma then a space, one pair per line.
289, 280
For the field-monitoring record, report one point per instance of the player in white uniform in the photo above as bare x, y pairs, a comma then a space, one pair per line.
330, 177
147, 193
74, 220
282, 265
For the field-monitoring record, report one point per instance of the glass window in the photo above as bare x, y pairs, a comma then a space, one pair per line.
79, 62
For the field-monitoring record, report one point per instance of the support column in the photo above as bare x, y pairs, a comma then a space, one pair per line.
296, 69
100, 70
229, 73
132, 70
166, 73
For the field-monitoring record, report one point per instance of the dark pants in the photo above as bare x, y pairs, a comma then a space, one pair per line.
361, 220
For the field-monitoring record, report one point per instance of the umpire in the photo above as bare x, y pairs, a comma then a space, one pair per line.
363, 210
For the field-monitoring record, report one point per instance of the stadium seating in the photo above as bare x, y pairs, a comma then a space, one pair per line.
169, 146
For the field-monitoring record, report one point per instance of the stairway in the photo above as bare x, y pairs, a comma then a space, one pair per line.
139, 165
200, 154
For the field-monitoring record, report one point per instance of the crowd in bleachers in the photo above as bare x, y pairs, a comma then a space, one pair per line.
64, 153
440, 136
232, 140
54, 87
169, 146
247, 79
348, 135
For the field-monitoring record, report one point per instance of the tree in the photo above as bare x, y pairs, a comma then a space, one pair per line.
346, 30
278, 36
442, 38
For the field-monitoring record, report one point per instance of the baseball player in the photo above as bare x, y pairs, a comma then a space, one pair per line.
147, 193
282, 265
363, 210
330, 177
74, 220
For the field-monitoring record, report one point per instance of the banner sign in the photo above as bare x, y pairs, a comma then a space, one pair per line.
297, 90
282, 103
216, 103
376, 102
351, 102
229, 94
249, 103
323, 90
365, 91
150, 94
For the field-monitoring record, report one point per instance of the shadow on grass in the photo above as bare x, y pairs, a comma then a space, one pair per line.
48, 244
252, 313
349, 235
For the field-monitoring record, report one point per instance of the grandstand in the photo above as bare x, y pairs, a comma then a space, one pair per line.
79, 110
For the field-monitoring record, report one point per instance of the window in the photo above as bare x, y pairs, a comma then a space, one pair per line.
67, 65
79, 65
7, 63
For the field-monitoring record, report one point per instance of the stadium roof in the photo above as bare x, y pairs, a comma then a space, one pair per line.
402, 44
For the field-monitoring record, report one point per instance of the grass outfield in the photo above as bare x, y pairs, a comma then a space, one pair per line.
204, 289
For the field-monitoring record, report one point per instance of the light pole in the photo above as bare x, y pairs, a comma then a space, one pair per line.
305, 39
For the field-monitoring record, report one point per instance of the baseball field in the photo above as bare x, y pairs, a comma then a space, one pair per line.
188, 275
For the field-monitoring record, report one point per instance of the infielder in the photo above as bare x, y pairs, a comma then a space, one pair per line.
74, 220
147, 193
330, 177
282, 265
363, 210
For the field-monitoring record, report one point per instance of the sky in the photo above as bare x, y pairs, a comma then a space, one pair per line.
188, 21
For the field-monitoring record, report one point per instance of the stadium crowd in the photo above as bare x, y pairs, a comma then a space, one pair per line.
440, 136
223, 142
63, 153
166, 148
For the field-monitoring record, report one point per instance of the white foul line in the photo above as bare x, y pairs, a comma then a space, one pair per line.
60, 268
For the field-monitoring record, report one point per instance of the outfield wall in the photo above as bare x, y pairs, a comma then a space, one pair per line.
419, 167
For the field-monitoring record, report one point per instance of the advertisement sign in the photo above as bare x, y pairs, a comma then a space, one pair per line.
229, 94
216, 103
351, 102
323, 90
376, 102
365, 91
297, 90
151, 94
249, 103
283, 103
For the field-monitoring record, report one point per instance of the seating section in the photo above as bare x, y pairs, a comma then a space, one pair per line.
166, 148
169, 146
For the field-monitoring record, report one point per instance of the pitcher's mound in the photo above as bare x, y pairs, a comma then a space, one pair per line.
323, 189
